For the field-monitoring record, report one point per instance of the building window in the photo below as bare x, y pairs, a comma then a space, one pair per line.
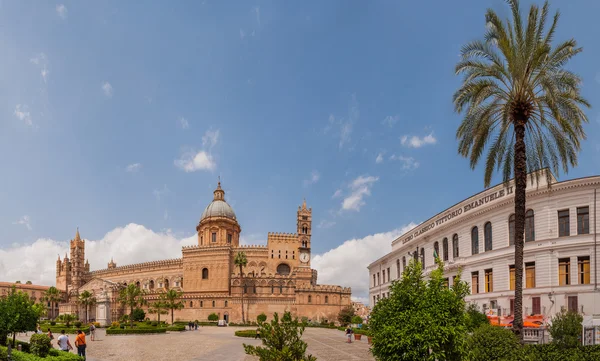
564, 226
383, 275
403, 263
423, 258
283, 269
280, 289
436, 250
583, 220
564, 264
572, 304
201, 240
583, 264
447, 282
489, 280
201, 304
378, 279
455, 253
229, 238
536, 305
529, 226
254, 288
272, 289
213, 303
205, 273
530, 275
279, 254
226, 303
293, 254
511, 230
445, 249
511, 273
214, 237
272, 256
397, 268
191, 304
487, 236
309, 299
474, 241
326, 299
374, 280
374, 300
475, 282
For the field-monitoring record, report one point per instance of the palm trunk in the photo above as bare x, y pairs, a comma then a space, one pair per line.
242, 279
171, 316
131, 316
520, 164
86, 313
159, 316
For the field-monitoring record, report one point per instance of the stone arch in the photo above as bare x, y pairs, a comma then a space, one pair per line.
205, 273
284, 269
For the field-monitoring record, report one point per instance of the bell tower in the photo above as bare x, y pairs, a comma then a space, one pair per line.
304, 225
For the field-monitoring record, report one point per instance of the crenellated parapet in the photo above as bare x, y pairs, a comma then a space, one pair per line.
145, 266
282, 237
324, 288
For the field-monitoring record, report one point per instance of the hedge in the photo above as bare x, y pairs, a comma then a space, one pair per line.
176, 328
551, 352
24, 345
133, 331
246, 333
54, 355
68, 330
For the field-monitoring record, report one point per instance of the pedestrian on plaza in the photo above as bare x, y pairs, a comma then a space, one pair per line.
80, 343
196, 325
190, 326
349, 334
92, 331
257, 334
50, 335
63, 342
39, 330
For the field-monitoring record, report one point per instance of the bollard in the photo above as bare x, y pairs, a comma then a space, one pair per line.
19, 346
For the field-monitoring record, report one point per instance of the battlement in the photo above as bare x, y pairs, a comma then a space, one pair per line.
140, 266
282, 237
208, 246
323, 288
256, 246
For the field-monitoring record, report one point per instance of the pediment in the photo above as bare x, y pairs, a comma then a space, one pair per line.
98, 286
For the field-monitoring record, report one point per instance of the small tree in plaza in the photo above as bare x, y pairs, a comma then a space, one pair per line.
86, 299
345, 315
357, 320
172, 300
53, 296
132, 297
566, 329
139, 315
213, 317
421, 319
241, 261
281, 340
261, 318
17, 314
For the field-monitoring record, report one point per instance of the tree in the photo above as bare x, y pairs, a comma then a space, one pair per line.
281, 341
421, 319
18, 282
53, 296
86, 299
566, 329
68, 318
28, 283
345, 315
475, 318
357, 320
241, 261
261, 318
158, 306
521, 107
490, 343
131, 296
17, 314
213, 317
172, 299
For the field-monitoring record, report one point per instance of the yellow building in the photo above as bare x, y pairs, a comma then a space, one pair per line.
277, 278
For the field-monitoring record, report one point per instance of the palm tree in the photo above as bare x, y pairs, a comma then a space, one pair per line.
86, 299
131, 296
158, 306
241, 261
522, 107
53, 296
172, 301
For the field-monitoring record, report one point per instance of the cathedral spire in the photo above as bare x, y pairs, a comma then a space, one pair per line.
77, 237
304, 204
219, 192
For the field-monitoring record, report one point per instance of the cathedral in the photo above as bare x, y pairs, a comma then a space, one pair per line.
277, 278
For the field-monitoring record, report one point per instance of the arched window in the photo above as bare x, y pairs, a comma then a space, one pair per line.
272, 289
511, 230
151, 284
309, 299
529, 226
226, 303
474, 240
280, 289
245, 288
487, 236
166, 284
254, 288
191, 304
201, 304
455, 253
445, 249
423, 258
436, 250
213, 303
326, 299
205, 273
403, 263
398, 268
137, 284
283, 269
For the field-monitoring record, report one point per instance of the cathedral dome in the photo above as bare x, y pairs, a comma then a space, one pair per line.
218, 207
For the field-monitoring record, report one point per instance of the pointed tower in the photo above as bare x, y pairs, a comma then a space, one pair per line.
304, 230
112, 264
78, 272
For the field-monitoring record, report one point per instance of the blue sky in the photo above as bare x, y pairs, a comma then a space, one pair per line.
114, 113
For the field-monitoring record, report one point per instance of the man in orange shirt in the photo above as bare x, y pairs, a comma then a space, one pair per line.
80, 343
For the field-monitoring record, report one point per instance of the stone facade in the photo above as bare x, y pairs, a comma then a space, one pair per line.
35, 293
277, 278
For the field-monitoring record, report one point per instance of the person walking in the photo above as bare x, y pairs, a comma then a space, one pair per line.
349, 334
63, 342
92, 331
80, 343
50, 336
257, 334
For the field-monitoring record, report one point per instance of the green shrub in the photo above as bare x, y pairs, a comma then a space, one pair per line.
148, 322
357, 320
213, 317
24, 345
138, 314
261, 318
39, 344
246, 333
52, 323
154, 323
133, 331
176, 328
553, 352
77, 324
475, 318
491, 343
566, 329
53, 355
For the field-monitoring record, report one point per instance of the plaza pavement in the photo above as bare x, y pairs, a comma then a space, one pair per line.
213, 344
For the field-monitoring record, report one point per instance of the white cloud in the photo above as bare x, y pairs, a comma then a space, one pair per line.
390, 120
344, 126
338, 193
194, 161
41, 61
242, 34
314, 178
132, 168
130, 244
417, 142
408, 163
346, 264
184, 123
22, 112
358, 190
62, 11
210, 138
25, 220
326, 224
379, 158
161, 193
107, 89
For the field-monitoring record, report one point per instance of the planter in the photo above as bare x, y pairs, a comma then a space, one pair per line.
369, 339
357, 337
